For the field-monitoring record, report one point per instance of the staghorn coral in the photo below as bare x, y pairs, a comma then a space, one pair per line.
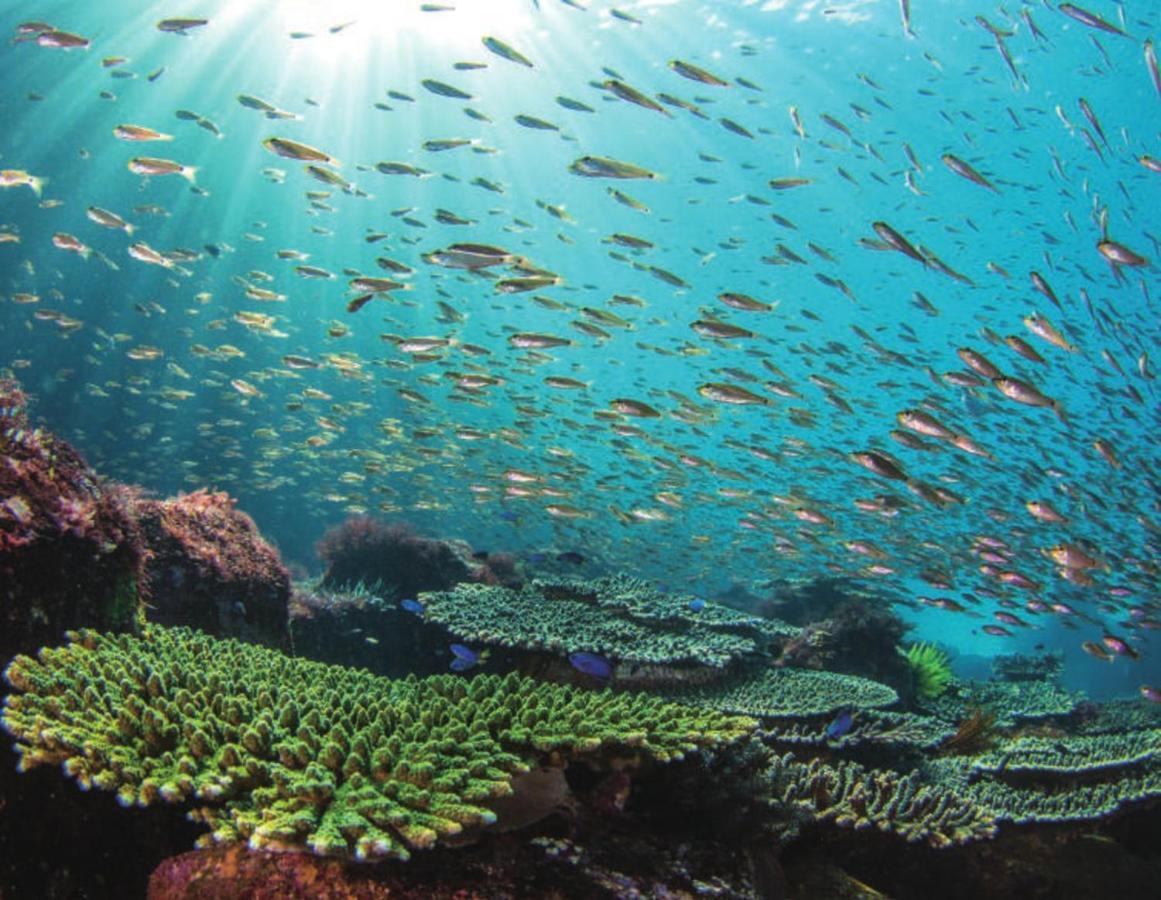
787, 693
209, 568
286, 753
620, 617
930, 669
851, 796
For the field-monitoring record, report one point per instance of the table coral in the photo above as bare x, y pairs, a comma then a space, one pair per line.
287, 753
788, 693
852, 796
620, 617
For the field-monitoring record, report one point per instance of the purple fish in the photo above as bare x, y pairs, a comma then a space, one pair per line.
591, 664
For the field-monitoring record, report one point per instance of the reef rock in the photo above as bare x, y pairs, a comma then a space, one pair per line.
70, 551
210, 569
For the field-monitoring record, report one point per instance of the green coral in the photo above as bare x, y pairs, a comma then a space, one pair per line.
787, 693
284, 752
851, 796
1071, 755
930, 668
623, 618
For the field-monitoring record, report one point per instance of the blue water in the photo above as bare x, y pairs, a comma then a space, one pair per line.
733, 480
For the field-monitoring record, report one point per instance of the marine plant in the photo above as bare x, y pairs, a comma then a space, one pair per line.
930, 669
287, 753
975, 733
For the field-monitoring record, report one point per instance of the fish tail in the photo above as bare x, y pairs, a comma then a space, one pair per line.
37, 184
189, 173
1060, 414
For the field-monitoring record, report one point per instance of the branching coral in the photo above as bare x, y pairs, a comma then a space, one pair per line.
283, 752
930, 668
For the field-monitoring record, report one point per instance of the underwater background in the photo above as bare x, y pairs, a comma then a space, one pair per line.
715, 317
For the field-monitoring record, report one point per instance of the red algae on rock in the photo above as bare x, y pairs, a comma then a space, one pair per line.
71, 553
209, 568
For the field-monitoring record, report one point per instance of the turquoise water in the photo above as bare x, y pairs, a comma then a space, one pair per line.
166, 375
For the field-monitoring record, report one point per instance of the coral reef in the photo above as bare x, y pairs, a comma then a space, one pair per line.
930, 669
363, 549
787, 693
623, 618
210, 569
848, 795
71, 553
283, 752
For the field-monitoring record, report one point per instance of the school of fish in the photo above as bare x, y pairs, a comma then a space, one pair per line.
681, 308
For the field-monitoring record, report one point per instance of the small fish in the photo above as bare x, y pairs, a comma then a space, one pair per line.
1086, 18
965, 170
411, 605
697, 604
602, 167
840, 725
1092, 648
1120, 255
180, 26
18, 178
139, 133
289, 149
1152, 694
693, 73
505, 51
591, 664
465, 658
723, 392
149, 165
1151, 65
571, 557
